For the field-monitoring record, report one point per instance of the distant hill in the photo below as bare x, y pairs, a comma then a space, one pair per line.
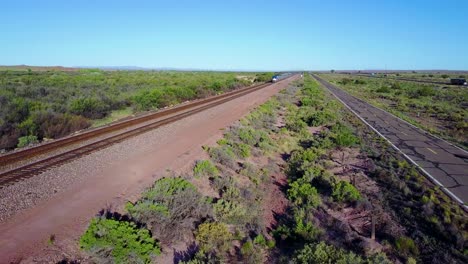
36, 68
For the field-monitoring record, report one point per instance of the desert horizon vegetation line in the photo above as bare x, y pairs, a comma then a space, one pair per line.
52, 104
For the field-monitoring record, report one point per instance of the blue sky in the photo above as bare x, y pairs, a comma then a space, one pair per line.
237, 35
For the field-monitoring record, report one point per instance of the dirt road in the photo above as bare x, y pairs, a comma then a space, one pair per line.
118, 178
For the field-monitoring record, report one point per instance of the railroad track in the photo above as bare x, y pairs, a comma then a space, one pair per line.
168, 116
408, 80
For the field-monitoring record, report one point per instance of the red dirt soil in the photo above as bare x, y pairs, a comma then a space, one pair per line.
24, 237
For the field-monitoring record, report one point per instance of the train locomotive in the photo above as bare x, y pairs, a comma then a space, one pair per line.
278, 77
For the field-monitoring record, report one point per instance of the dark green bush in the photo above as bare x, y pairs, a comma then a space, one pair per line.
323, 253
323, 117
89, 107
27, 141
343, 136
345, 81
406, 246
121, 240
302, 194
383, 89
344, 191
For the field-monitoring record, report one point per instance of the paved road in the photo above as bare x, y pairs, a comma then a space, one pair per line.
444, 163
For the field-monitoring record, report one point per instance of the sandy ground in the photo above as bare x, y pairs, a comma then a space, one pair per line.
24, 237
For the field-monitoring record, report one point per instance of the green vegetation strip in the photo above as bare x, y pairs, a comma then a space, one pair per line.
53, 104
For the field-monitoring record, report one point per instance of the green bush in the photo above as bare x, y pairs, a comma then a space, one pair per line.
170, 208
213, 237
231, 212
167, 187
304, 229
249, 170
319, 118
122, 240
205, 168
421, 92
383, 89
223, 155
345, 81
343, 136
344, 191
302, 194
295, 123
89, 107
26, 141
242, 150
323, 253
406, 246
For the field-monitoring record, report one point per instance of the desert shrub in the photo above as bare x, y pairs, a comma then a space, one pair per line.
120, 240
213, 237
253, 137
223, 155
222, 183
323, 253
323, 117
89, 107
249, 170
304, 228
308, 101
345, 81
395, 86
241, 150
167, 187
344, 191
421, 92
26, 141
359, 81
343, 136
161, 97
264, 77
53, 125
302, 160
302, 194
170, 208
202, 257
252, 251
295, 123
205, 168
406, 246
383, 89
426, 91
264, 116
229, 211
